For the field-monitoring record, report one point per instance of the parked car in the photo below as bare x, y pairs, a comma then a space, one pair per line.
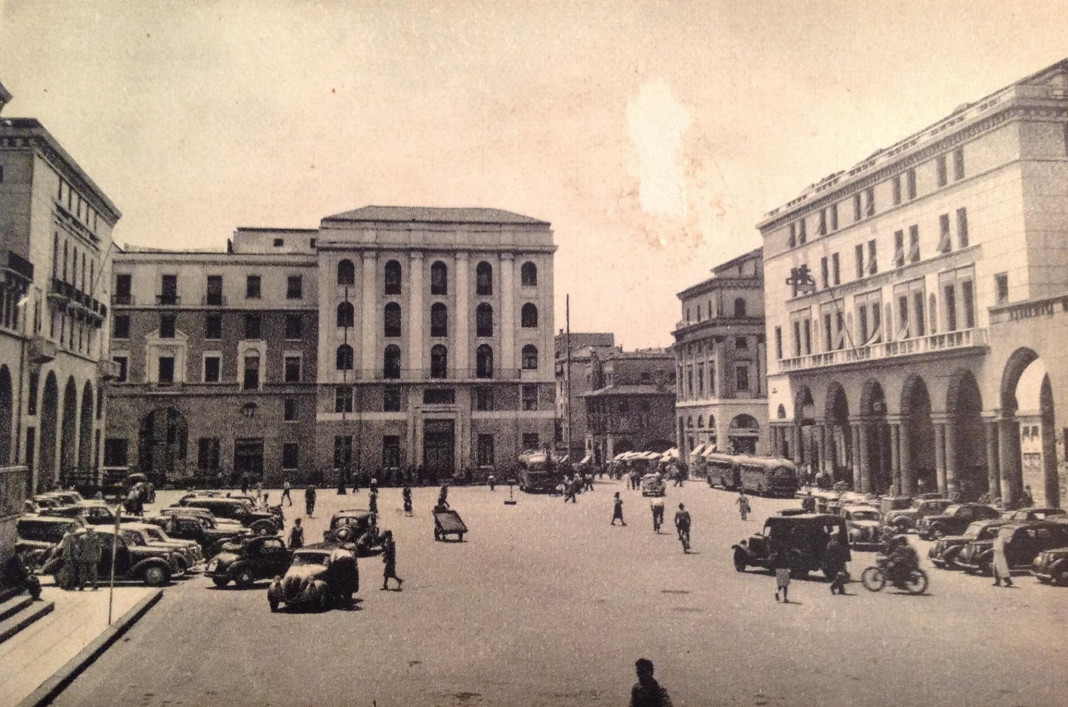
863, 525
99, 513
356, 527
908, 519
36, 535
1051, 566
320, 575
57, 503
1034, 513
245, 560
1028, 539
803, 538
189, 550
954, 519
135, 560
259, 522
197, 529
653, 485
222, 524
945, 550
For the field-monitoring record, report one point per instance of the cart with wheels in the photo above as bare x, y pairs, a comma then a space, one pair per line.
448, 522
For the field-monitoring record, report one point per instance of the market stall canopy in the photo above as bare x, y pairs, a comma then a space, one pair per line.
696, 452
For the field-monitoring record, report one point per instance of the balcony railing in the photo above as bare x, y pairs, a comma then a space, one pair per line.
935, 343
19, 266
424, 374
122, 299
168, 299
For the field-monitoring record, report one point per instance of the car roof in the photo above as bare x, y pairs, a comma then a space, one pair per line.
47, 518
353, 512
807, 518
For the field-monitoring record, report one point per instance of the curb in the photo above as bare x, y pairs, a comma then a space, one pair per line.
50, 688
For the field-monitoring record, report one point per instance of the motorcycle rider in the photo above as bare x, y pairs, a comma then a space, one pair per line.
901, 559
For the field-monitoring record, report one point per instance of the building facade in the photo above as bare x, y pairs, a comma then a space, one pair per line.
632, 407
720, 361
55, 283
389, 338
894, 293
576, 355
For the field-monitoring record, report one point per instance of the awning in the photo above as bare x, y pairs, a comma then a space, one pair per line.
670, 455
712, 449
698, 450
588, 459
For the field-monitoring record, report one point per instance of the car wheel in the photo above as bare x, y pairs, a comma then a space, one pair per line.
155, 576
220, 581
985, 569
263, 527
1061, 577
938, 532
244, 578
323, 600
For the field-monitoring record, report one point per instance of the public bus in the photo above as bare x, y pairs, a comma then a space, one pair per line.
536, 472
763, 476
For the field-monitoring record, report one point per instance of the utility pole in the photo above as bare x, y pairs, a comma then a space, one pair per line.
567, 369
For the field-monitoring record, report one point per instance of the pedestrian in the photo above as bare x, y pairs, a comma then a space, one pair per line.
836, 562
285, 493
373, 486
492, 481
443, 496
372, 501
570, 490
657, 507
1027, 500
617, 510
296, 535
679, 478
259, 488
309, 500
389, 561
406, 494
781, 564
264, 504
1001, 563
743, 504
89, 558
75, 549
808, 503
647, 692
682, 527
244, 484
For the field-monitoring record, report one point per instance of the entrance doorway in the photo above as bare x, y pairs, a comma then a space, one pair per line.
439, 444
248, 458
162, 446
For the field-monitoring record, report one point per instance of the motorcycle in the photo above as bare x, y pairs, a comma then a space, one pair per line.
875, 578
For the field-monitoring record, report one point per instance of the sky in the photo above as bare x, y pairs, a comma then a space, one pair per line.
652, 135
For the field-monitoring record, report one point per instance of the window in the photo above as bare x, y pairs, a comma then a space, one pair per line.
484, 399
836, 270
484, 362
530, 397
821, 228
123, 289
294, 327
860, 260
391, 362
213, 327
392, 319
941, 168
529, 315
166, 369
834, 216
439, 396
899, 249
115, 451
345, 315
121, 326
290, 455
741, 378
896, 189
856, 207
484, 279
212, 369
208, 453
949, 300
962, 228
944, 243
739, 307
439, 361
252, 373
914, 244
439, 320
289, 410
252, 287
873, 263
528, 274
778, 343
291, 364
801, 237
869, 207
279, 242
346, 273
439, 278
531, 440
869, 317
958, 163
342, 451
824, 272
1001, 288
343, 359
294, 287
485, 450
530, 357
253, 327
792, 240
121, 361
214, 294
393, 278
700, 382
166, 326
910, 179
168, 287
741, 343
391, 400
343, 398
391, 452
484, 320
967, 303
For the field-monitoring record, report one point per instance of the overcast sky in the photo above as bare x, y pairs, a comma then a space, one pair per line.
652, 135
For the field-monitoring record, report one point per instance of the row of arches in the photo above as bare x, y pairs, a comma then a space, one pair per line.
391, 360
743, 433
439, 318
439, 276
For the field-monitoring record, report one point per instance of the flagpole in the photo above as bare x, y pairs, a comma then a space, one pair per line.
567, 345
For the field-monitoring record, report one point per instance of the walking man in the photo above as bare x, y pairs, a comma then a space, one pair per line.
309, 500
372, 502
406, 494
296, 535
492, 481
743, 504
617, 510
90, 558
682, 526
647, 692
570, 489
1001, 564
285, 493
836, 561
389, 561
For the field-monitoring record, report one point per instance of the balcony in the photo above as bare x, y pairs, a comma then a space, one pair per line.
168, 299
17, 268
423, 375
952, 341
42, 350
108, 370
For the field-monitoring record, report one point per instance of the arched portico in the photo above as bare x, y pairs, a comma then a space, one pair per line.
1026, 432
837, 434
47, 473
6, 416
966, 463
916, 438
872, 462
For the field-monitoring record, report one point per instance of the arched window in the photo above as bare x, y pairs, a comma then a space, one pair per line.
393, 278
439, 279
484, 362
739, 307
689, 421
439, 362
530, 357
483, 320
344, 358
346, 273
391, 363
528, 274
345, 316
439, 319
700, 421
392, 319
529, 316
484, 279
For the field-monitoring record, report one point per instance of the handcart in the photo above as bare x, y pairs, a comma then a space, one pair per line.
448, 522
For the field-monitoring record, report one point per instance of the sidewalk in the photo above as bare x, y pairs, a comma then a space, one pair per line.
76, 629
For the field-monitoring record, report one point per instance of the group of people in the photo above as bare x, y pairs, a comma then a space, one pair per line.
80, 551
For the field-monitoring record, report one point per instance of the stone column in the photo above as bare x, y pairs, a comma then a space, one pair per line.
854, 456
865, 457
908, 472
993, 466
460, 319
1009, 454
415, 315
830, 450
952, 456
369, 312
508, 329
795, 431
895, 457
940, 457
821, 448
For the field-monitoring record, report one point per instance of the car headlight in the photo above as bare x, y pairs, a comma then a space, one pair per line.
213, 565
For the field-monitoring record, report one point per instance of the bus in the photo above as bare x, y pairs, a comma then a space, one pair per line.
763, 476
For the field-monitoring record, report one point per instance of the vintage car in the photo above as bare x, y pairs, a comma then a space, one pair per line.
135, 560
245, 560
358, 527
653, 485
1028, 539
36, 535
907, 519
197, 529
222, 524
259, 522
1051, 566
954, 519
945, 550
58, 503
100, 513
136, 537
188, 550
320, 575
804, 539
863, 524
1034, 513
538, 481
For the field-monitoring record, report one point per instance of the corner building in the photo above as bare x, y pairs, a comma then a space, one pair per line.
892, 288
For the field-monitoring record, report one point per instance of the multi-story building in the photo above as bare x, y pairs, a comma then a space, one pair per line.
720, 352
886, 370
387, 338
54, 285
576, 355
632, 406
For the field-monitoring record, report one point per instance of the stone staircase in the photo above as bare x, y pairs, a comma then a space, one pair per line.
18, 610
